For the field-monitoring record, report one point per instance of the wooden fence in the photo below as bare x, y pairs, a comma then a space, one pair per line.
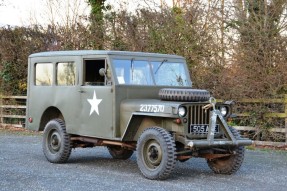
283, 115
13, 109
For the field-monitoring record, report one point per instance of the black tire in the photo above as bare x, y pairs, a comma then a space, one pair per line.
117, 152
230, 164
194, 95
56, 142
156, 153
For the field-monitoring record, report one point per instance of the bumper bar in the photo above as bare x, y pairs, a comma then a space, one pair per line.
204, 143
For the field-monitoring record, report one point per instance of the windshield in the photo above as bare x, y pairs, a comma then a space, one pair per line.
142, 72
169, 74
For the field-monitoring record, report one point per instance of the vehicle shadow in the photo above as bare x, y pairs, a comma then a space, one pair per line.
101, 159
94, 159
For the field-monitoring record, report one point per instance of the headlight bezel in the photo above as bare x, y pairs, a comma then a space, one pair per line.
182, 111
224, 110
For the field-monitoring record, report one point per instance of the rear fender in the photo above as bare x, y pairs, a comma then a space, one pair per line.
49, 114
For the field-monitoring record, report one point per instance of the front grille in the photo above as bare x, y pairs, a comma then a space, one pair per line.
198, 115
198, 122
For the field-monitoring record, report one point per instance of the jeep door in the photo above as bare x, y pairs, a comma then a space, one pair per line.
96, 95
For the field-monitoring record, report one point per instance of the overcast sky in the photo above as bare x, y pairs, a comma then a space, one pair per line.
17, 12
23, 12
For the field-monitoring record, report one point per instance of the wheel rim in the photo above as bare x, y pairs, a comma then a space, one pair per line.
152, 154
54, 141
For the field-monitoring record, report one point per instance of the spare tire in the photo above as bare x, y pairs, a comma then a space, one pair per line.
194, 95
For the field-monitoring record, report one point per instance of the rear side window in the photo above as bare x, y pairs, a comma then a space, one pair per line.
66, 74
44, 74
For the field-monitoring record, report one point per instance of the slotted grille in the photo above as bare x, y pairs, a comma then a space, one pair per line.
198, 115
199, 118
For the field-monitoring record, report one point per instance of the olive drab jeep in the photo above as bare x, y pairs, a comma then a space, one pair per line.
129, 101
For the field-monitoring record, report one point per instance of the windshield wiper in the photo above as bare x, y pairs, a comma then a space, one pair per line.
160, 65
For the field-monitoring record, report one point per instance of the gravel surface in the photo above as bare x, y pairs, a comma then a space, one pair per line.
24, 167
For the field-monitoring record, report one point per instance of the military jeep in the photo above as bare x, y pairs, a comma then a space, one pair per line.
129, 101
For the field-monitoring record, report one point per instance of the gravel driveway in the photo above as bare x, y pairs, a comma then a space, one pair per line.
24, 167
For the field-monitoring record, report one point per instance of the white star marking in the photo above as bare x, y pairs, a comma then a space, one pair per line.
94, 104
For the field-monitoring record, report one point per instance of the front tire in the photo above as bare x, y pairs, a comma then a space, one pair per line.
56, 142
229, 164
156, 153
117, 152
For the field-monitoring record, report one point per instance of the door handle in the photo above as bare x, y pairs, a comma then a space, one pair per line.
81, 91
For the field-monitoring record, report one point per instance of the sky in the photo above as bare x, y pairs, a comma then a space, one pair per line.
17, 12
26, 12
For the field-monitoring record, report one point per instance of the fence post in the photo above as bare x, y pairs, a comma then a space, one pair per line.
285, 105
1, 110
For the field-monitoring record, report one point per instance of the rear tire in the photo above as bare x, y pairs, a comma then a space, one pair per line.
230, 164
56, 142
118, 152
156, 153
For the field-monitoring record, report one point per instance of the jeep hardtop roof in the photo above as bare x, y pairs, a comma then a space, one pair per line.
102, 52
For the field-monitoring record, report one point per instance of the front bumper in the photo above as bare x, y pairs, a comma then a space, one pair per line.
229, 140
216, 143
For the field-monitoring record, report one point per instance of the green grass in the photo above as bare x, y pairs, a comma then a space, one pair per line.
17, 131
267, 149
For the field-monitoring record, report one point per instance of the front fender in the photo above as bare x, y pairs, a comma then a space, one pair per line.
141, 121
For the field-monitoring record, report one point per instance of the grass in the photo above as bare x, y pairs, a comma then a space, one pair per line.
17, 131
266, 148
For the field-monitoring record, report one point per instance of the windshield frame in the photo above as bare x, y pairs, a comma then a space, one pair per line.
149, 60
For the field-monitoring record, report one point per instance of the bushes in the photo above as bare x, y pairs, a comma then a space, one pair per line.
15, 46
234, 50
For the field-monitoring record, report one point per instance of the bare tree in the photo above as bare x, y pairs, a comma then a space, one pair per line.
67, 24
259, 58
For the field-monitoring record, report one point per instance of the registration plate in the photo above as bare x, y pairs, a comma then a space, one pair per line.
201, 129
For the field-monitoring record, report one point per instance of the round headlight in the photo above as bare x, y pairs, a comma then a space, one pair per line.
181, 111
223, 111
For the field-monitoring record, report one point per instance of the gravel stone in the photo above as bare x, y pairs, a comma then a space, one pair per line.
24, 167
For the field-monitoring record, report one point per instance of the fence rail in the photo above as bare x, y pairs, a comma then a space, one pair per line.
19, 107
12, 115
282, 129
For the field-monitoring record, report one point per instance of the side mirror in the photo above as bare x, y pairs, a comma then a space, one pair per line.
102, 72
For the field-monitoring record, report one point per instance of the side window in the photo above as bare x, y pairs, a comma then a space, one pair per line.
92, 72
44, 74
66, 74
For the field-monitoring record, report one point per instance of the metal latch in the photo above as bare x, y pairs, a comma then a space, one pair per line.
212, 102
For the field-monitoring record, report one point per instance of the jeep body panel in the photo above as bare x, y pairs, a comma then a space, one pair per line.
71, 103
146, 112
43, 98
128, 101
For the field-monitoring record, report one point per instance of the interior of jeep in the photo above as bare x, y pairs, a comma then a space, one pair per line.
92, 76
